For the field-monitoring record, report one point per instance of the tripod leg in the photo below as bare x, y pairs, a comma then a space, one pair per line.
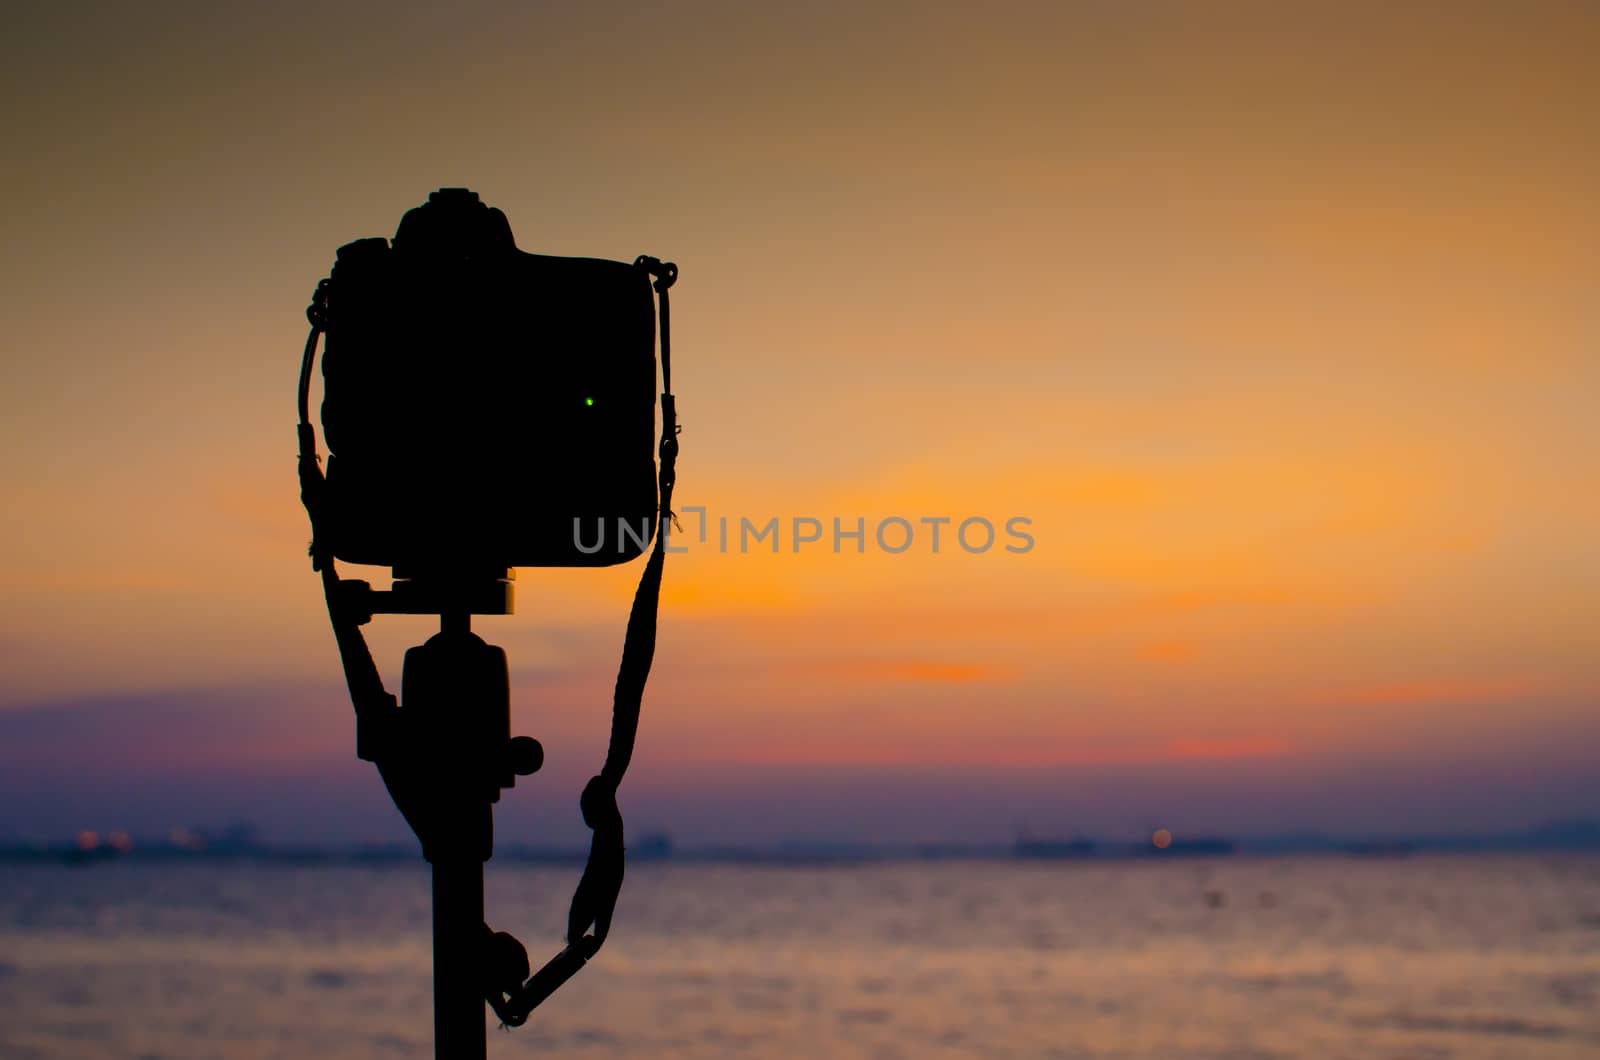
456, 697
458, 1016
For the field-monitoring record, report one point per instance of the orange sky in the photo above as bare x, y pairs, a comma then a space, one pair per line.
1278, 324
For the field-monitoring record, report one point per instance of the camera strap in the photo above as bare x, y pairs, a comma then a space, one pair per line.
596, 897
505, 959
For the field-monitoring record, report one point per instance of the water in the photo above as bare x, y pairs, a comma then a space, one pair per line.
1423, 958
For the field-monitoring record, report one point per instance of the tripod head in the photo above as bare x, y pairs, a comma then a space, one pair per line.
484, 592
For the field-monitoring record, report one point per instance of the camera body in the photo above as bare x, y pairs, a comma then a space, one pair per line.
485, 407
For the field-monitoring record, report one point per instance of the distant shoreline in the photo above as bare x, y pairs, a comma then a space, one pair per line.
1579, 837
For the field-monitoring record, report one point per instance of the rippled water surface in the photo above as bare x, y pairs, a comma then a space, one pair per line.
1422, 958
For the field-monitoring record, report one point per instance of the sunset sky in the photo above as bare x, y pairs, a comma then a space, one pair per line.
1279, 322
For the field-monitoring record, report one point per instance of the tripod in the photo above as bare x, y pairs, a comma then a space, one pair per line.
445, 752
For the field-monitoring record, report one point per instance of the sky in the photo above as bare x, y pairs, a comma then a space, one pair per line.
1277, 323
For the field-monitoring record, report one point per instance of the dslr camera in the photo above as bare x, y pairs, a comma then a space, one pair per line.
483, 406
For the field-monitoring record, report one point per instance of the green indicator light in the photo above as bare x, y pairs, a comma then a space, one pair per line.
589, 402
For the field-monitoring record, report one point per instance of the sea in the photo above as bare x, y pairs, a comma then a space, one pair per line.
1421, 958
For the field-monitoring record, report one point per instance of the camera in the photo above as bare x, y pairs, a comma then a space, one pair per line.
485, 407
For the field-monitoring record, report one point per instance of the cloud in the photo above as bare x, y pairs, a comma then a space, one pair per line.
1443, 691
1252, 747
1168, 651
853, 672
975, 752
196, 731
